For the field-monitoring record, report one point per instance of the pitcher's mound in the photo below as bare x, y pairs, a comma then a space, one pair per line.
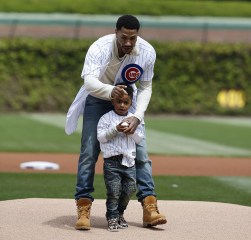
40, 219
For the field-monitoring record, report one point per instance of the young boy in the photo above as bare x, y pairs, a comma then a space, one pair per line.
119, 152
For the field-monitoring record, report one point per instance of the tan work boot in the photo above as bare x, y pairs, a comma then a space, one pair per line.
151, 215
84, 210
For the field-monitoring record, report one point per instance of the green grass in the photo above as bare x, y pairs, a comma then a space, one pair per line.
198, 188
200, 128
21, 134
45, 133
42, 185
146, 7
165, 135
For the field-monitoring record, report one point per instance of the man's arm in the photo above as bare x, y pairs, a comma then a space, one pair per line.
98, 89
101, 90
143, 99
138, 135
93, 66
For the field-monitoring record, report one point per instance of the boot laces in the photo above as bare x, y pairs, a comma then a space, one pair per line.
152, 207
84, 210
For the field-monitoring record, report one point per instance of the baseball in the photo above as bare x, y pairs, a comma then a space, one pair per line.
124, 124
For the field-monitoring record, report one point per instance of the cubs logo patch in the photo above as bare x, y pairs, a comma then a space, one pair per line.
131, 73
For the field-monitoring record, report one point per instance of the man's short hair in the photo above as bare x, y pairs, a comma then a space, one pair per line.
128, 22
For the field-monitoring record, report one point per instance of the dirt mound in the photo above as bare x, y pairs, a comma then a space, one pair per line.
28, 219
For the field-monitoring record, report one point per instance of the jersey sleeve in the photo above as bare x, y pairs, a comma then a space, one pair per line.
105, 131
93, 66
149, 57
93, 62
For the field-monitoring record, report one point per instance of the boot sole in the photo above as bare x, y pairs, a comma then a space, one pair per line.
82, 228
156, 222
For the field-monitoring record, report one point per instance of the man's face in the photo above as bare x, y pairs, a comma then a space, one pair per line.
126, 40
122, 104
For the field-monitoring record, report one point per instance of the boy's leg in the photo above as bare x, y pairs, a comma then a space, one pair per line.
128, 188
113, 187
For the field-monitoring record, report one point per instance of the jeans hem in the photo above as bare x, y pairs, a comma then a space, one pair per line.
140, 199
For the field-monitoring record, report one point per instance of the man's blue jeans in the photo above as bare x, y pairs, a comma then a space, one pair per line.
90, 149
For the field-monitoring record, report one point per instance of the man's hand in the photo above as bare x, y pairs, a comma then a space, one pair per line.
118, 91
133, 124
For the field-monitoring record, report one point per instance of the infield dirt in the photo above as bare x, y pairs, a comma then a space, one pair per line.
161, 165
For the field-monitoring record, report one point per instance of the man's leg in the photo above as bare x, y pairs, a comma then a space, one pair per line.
88, 153
145, 184
90, 149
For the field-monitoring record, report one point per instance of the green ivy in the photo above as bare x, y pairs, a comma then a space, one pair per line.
44, 75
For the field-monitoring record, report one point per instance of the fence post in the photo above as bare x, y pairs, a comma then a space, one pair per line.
205, 29
13, 28
77, 29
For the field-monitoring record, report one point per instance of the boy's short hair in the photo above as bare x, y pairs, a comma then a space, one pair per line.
128, 22
128, 89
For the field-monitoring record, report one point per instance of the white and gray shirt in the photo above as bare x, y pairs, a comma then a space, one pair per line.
114, 143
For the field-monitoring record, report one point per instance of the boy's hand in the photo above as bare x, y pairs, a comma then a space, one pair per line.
121, 127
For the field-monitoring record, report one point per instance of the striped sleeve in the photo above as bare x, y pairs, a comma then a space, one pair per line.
147, 58
106, 129
93, 62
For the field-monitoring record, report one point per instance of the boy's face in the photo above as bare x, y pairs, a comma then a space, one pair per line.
122, 104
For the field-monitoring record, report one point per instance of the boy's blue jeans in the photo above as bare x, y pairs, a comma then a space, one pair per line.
120, 182
90, 149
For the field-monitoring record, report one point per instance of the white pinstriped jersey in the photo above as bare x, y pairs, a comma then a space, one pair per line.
100, 53
97, 60
114, 143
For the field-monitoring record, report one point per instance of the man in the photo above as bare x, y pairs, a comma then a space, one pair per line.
113, 59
